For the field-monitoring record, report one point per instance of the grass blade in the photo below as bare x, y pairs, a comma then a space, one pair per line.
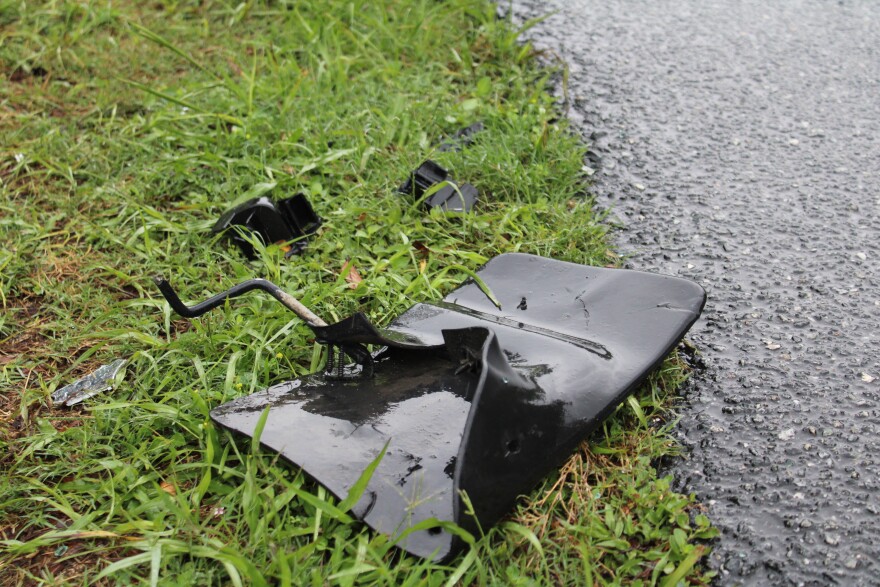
684, 567
163, 42
258, 430
637, 410
357, 490
183, 103
466, 563
480, 283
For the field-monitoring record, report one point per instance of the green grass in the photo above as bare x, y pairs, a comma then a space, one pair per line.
127, 128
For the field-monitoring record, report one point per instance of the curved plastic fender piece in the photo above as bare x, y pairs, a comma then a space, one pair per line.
493, 401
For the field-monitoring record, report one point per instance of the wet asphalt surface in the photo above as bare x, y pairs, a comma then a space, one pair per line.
738, 144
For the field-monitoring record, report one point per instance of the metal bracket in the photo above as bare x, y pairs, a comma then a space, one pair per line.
337, 348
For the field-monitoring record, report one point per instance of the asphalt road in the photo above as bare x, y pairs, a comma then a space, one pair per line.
740, 147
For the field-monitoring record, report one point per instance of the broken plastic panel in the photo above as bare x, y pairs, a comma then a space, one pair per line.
290, 219
99, 381
452, 197
471, 399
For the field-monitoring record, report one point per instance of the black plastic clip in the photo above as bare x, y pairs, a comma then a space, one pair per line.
452, 197
286, 220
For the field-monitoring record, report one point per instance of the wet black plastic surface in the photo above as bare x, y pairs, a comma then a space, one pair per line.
497, 399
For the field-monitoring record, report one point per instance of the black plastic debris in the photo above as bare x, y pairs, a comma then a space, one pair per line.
99, 381
452, 197
290, 219
461, 138
468, 399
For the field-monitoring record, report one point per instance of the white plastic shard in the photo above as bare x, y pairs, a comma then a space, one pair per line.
99, 381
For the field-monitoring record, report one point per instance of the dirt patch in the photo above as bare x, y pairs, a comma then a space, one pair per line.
179, 327
18, 345
21, 73
23, 311
63, 261
16, 422
66, 562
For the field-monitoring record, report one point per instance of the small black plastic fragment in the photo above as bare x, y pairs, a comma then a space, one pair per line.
428, 174
452, 197
282, 221
461, 138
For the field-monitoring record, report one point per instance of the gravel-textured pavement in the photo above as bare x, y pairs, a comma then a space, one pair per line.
740, 147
